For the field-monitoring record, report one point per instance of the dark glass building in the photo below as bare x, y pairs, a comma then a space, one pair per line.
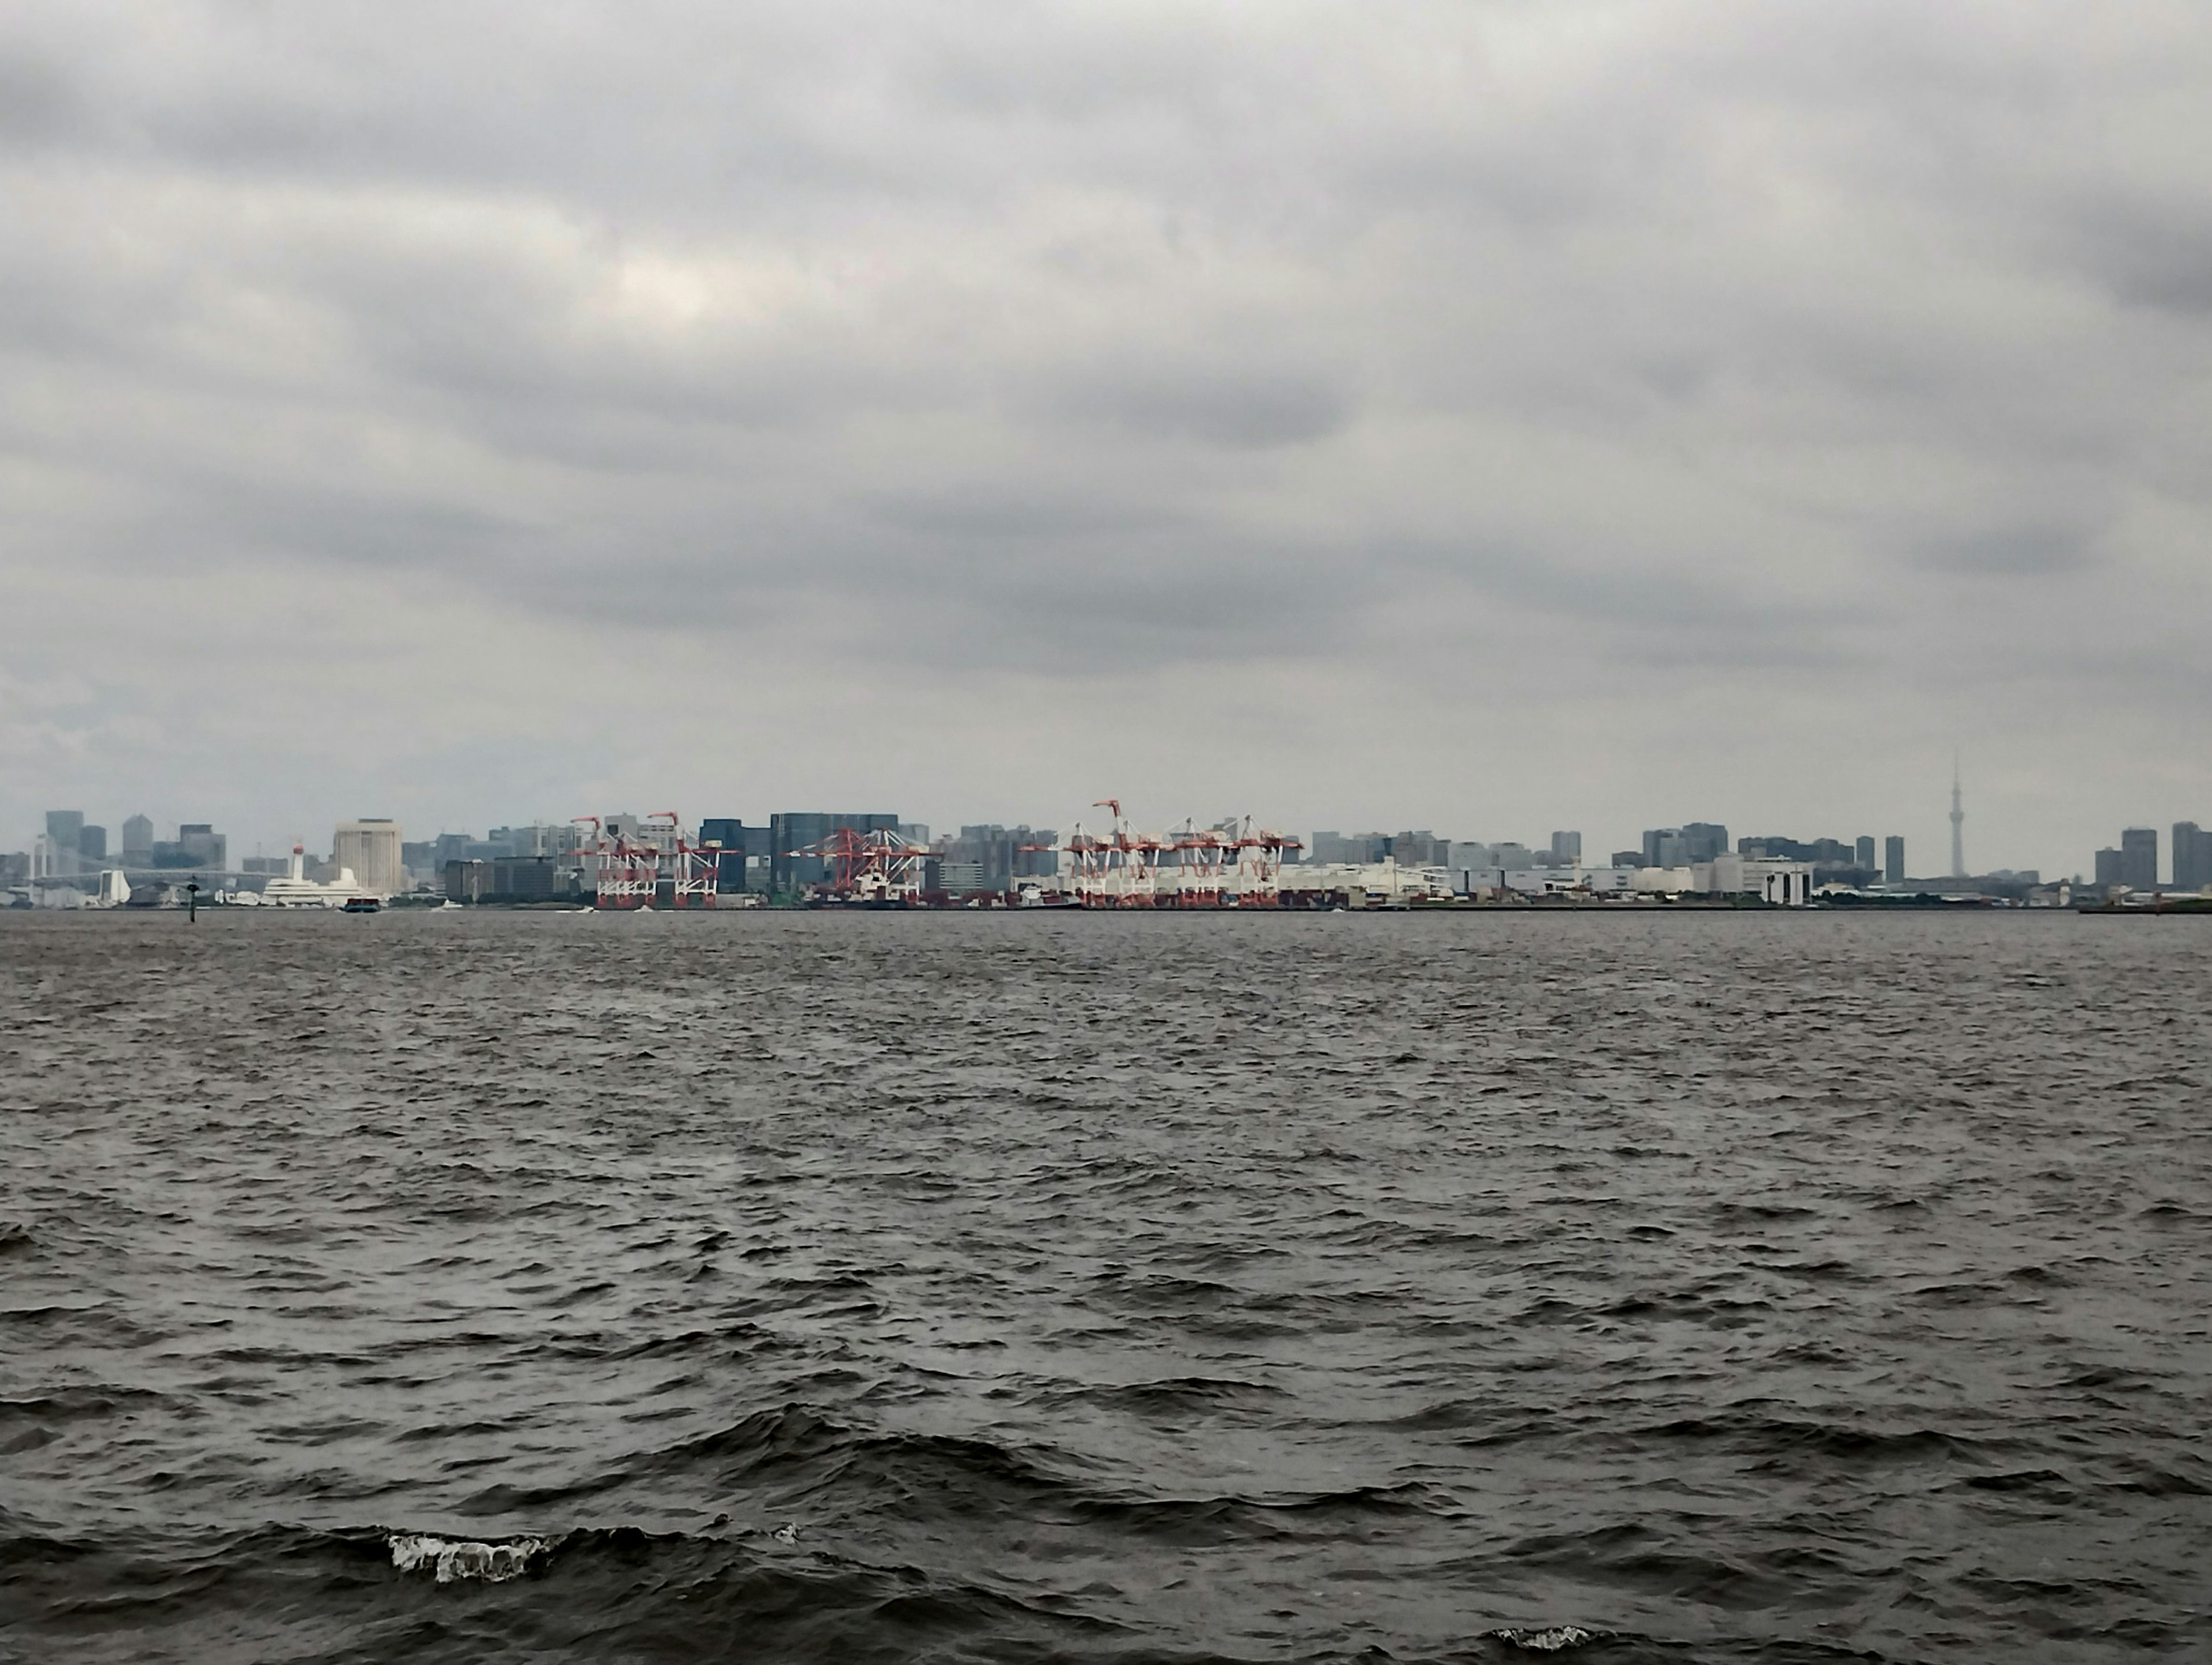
2192, 856
1704, 840
2139, 857
743, 864
789, 873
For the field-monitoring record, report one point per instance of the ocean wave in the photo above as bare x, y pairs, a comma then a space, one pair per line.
1546, 1639
457, 1559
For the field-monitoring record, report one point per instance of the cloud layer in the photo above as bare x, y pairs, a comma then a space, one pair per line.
1494, 417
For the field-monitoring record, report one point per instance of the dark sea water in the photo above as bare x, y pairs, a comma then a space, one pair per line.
1646, 1286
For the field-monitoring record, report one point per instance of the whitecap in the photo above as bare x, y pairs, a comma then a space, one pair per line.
1549, 1639
462, 1559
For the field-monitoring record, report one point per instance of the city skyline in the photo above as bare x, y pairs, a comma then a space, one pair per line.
2189, 854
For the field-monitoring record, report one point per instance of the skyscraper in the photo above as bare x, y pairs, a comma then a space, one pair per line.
1958, 825
1863, 853
138, 842
371, 848
1704, 840
1893, 859
64, 830
794, 830
202, 846
92, 847
1566, 849
2139, 857
2192, 856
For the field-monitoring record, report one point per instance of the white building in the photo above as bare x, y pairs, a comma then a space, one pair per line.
370, 848
1378, 881
1780, 883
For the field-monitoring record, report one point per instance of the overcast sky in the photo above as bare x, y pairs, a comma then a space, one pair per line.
1487, 418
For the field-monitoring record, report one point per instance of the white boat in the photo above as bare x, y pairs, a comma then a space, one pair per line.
296, 890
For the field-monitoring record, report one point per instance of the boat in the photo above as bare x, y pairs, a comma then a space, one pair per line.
363, 905
293, 888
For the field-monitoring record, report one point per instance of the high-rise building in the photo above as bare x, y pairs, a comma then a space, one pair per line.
1663, 847
742, 860
2108, 868
1701, 841
64, 829
370, 846
1566, 849
202, 846
2139, 857
137, 842
1958, 825
92, 846
790, 872
1863, 853
2192, 856
1893, 859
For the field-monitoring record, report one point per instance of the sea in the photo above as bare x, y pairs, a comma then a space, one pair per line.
1635, 1284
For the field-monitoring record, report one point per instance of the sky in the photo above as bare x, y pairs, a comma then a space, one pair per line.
1487, 418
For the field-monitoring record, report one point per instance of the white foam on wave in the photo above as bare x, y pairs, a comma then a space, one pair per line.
461, 1559
1550, 1639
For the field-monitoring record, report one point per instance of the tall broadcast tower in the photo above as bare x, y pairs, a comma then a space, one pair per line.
1958, 822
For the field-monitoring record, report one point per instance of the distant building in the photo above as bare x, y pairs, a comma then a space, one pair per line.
1566, 849
504, 878
539, 838
138, 842
1863, 853
742, 861
370, 846
1664, 847
958, 878
990, 849
2192, 856
202, 846
2139, 857
1704, 840
789, 873
2108, 868
1893, 859
92, 846
1631, 859
65, 829
1418, 848
1360, 849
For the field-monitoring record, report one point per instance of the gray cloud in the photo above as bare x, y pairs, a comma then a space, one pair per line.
1623, 374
